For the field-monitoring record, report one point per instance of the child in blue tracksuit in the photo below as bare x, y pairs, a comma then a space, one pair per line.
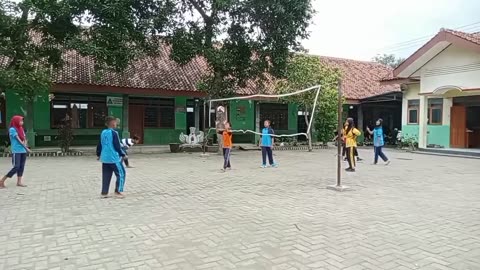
19, 151
266, 143
378, 142
110, 153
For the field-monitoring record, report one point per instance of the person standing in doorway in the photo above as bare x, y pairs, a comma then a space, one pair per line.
19, 151
266, 143
227, 145
351, 134
378, 142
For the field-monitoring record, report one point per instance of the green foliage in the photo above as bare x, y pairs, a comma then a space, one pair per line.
305, 71
28, 83
34, 34
65, 135
240, 40
388, 60
326, 120
410, 142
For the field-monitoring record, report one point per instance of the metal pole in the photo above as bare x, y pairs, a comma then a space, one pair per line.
339, 137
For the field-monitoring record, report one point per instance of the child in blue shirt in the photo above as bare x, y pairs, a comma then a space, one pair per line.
19, 151
266, 143
378, 142
110, 153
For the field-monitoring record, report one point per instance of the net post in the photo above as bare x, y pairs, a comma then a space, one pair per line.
338, 186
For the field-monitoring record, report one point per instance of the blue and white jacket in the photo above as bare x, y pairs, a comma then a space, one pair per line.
109, 149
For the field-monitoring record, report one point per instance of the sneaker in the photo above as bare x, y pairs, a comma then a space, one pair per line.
263, 166
359, 159
119, 195
274, 165
387, 163
223, 170
104, 196
350, 169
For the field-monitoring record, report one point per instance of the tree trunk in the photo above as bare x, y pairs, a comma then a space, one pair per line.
29, 123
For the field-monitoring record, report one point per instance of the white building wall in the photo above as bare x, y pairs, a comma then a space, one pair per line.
411, 93
454, 66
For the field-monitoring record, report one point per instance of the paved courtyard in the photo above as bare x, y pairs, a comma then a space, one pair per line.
181, 212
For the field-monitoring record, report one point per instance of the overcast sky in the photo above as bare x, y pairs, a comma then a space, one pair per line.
361, 29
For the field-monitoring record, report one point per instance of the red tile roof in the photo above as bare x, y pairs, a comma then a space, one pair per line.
361, 79
472, 37
148, 73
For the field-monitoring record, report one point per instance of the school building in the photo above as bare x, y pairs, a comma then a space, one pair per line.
441, 91
157, 99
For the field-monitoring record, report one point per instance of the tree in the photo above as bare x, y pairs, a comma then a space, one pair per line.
388, 60
305, 71
240, 40
34, 34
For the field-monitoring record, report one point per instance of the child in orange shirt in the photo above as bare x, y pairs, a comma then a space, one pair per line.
227, 145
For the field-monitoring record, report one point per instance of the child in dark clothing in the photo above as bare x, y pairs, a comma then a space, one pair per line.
110, 153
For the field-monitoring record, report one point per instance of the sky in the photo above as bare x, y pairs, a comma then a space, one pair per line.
360, 29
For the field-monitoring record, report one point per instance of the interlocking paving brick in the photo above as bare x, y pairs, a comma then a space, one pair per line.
181, 212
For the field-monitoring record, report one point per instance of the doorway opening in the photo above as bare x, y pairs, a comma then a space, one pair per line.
465, 122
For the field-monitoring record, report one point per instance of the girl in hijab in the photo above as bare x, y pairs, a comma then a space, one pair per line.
19, 151
378, 142
350, 134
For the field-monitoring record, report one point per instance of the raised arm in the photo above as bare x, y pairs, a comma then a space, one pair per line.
369, 131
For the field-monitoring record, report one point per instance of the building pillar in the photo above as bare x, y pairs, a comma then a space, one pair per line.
447, 107
125, 107
360, 118
197, 114
423, 122
257, 121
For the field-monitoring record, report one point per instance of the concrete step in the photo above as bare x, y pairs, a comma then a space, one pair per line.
448, 154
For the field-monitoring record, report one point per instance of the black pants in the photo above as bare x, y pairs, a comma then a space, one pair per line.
125, 159
267, 151
351, 157
344, 151
18, 162
108, 169
226, 157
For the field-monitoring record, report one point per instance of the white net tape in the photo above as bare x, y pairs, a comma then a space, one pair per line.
316, 88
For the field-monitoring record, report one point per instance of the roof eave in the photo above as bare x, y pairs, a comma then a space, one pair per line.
444, 39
